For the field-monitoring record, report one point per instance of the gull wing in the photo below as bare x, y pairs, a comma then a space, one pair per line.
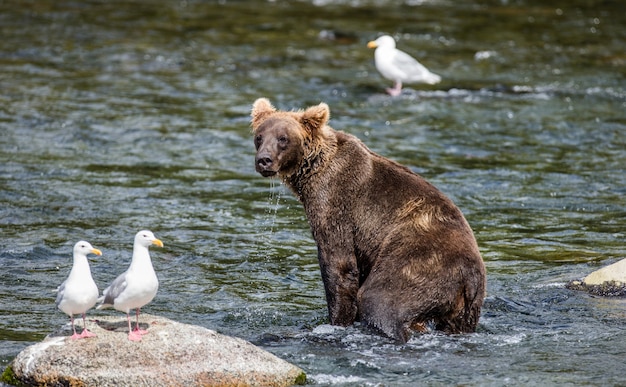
114, 290
411, 68
60, 291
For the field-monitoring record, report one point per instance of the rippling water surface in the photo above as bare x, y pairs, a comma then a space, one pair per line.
117, 116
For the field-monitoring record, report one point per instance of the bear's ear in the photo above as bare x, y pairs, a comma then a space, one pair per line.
315, 117
260, 110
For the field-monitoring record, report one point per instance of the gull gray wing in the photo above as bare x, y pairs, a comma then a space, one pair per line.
114, 290
60, 291
409, 65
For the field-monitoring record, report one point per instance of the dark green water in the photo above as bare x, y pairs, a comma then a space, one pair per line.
117, 116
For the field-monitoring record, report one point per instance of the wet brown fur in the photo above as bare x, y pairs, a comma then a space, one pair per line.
393, 251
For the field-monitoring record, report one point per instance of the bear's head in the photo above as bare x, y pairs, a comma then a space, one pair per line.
284, 141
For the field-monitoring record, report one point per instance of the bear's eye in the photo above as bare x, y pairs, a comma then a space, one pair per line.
283, 140
257, 140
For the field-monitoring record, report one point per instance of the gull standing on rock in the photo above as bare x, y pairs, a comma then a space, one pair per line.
78, 293
398, 66
137, 286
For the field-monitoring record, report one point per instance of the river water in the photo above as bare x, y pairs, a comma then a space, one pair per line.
118, 116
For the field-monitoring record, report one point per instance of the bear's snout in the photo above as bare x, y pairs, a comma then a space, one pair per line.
264, 165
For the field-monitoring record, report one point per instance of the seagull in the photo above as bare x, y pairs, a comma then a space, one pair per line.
78, 293
398, 66
137, 286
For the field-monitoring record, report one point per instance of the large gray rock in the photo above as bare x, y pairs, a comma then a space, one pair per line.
171, 354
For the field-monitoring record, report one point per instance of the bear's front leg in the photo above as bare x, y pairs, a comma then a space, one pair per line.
340, 274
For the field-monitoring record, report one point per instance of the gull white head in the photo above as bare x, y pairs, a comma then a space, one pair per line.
83, 248
146, 238
384, 41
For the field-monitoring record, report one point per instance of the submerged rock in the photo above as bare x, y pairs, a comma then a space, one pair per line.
609, 281
171, 354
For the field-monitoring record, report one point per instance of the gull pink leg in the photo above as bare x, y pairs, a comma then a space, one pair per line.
75, 335
85, 333
396, 90
140, 331
132, 335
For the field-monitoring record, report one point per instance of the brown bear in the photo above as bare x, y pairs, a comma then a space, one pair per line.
394, 252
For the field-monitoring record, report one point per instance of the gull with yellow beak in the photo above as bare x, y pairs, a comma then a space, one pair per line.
398, 66
137, 286
78, 293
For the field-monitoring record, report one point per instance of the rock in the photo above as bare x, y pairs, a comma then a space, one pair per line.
606, 289
609, 281
171, 354
611, 273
